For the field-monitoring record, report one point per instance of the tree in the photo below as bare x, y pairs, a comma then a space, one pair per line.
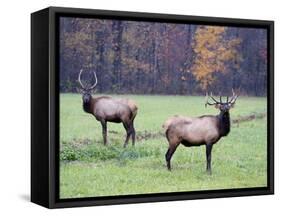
162, 58
117, 31
214, 54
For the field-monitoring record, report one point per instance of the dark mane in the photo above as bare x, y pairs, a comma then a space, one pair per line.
223, 123
203, 116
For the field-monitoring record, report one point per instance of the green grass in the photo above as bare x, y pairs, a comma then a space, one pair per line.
90, 169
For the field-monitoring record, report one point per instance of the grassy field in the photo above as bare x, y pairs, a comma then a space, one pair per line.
89, 169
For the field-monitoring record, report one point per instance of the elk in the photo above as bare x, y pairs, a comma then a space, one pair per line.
107, 109
196, 131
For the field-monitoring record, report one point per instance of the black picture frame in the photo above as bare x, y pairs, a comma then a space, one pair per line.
45, 114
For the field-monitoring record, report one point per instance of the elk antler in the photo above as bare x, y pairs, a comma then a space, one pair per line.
214, 98
207, 102
96, 82
233, 97
79, 79
231, 101
233, 94
83, 87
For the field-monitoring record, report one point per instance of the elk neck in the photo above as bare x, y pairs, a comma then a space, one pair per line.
223, 123
88, 107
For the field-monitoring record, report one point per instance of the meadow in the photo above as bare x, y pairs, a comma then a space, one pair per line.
89, 169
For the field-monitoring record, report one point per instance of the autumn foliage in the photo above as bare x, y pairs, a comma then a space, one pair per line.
213, 53
162, 58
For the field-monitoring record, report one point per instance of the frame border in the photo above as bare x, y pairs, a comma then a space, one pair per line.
54, 200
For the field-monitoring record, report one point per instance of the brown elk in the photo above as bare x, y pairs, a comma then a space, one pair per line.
108, 109
196, 131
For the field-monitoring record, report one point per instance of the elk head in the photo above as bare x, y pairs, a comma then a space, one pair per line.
222, 106
86, 91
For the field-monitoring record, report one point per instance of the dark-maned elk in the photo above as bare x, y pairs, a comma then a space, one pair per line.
108, 109
196, 131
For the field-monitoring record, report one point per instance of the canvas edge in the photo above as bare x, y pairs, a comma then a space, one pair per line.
54, 202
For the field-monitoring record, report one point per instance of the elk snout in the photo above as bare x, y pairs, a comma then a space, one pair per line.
86, 98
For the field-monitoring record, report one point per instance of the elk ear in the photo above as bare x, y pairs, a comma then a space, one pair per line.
79, 90
217, 106
93, 91
232, 105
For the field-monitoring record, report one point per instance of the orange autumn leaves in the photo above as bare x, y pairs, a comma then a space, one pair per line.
213, 54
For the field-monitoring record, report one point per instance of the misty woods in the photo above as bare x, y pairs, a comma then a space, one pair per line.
163, 58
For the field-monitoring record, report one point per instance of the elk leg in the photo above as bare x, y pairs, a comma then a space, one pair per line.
209, 157
127, 128
104, 132
169, 154
133, 133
